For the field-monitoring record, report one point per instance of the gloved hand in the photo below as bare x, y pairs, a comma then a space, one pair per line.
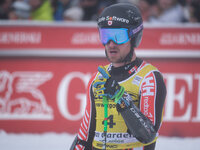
107, 86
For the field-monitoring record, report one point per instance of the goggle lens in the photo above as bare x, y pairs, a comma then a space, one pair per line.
118, 35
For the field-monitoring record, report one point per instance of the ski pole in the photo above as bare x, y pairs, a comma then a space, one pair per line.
105, 103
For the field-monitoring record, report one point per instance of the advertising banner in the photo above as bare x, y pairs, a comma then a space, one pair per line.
45, 95
41, 94
83, 40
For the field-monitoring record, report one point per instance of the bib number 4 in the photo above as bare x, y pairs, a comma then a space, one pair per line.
110, 122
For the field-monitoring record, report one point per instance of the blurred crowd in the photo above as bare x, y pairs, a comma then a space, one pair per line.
154, 11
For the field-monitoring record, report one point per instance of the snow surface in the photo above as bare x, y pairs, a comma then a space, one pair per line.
62, 141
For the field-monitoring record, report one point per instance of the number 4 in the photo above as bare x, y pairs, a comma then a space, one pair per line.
110, 121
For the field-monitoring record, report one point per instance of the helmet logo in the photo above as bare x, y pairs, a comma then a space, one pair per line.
113, 18
110, 22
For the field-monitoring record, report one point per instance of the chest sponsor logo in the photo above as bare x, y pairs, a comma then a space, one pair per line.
148, 87
137, 80
148, 95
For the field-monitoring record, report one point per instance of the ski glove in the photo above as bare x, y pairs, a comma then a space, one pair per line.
109, 87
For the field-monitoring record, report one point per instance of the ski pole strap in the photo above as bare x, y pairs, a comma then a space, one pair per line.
104, 72
119, 94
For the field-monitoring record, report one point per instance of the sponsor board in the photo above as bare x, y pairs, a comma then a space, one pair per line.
47, 94
77, 36
38, 95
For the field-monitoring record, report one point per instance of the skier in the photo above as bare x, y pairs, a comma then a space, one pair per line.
125, 98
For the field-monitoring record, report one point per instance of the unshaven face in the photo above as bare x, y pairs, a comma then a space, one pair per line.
116, 53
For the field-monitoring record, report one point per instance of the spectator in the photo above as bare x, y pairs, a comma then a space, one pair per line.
41, 10
167, 11
194, 11
73, 14
20, 10
145, 8
90, 9
59, 7
5, 6
153, 11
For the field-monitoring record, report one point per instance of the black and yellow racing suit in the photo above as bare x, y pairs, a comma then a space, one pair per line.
145, 84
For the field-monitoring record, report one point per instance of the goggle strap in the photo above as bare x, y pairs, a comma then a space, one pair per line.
140, 27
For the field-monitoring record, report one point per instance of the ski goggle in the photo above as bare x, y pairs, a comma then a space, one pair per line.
118, 35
